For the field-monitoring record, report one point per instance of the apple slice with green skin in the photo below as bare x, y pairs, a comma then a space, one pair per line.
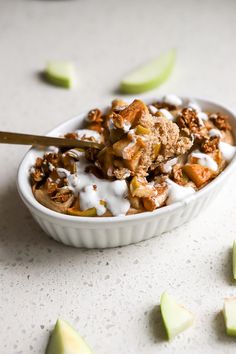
176, 318
66, 340
150, 75
229, 312
234, 259
61, 74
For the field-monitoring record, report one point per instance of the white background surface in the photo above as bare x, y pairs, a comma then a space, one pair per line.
110, 296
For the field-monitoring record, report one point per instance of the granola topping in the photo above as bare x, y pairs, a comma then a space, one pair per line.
153, 156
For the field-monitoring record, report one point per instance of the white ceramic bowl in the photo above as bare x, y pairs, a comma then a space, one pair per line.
92, 232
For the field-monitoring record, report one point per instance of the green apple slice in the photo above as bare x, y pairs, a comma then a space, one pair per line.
65, 340
176, 318
234, 259
229, 312
61, 74
150, 75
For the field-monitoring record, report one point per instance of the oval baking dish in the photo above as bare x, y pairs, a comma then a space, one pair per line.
94, 232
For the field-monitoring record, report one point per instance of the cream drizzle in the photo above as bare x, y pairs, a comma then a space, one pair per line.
167, 167
92, 190
152, 109
176, 193
205, 160
173, 100
215, 132
227, 150
166, 114
88, 133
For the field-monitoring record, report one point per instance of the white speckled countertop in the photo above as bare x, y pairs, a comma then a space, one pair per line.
111, 296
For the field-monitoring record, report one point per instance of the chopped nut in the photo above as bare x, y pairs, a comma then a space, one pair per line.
95, 115
220, 121
62, 196
50, 186
39, 162
210, 144
188, 119
53, 158
37, 175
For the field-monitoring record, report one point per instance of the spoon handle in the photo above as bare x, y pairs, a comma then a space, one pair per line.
29, 139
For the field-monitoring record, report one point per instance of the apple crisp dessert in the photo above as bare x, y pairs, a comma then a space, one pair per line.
152, 156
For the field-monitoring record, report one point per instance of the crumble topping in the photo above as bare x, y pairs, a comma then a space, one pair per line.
153, 156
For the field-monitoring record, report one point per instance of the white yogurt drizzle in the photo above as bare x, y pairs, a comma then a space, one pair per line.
50, 166
205, 160
92, 190
52, 149
152, 109
88, 133
215, 132
176, 193
173, 100
201, 115
195, 106
62, 172
228, 151
166, 113
126, 126
167, 167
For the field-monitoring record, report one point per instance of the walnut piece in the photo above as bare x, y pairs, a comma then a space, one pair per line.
220, 121
209, 145
188, 119
95, 115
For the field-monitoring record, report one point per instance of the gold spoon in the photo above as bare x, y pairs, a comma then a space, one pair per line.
29, 139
